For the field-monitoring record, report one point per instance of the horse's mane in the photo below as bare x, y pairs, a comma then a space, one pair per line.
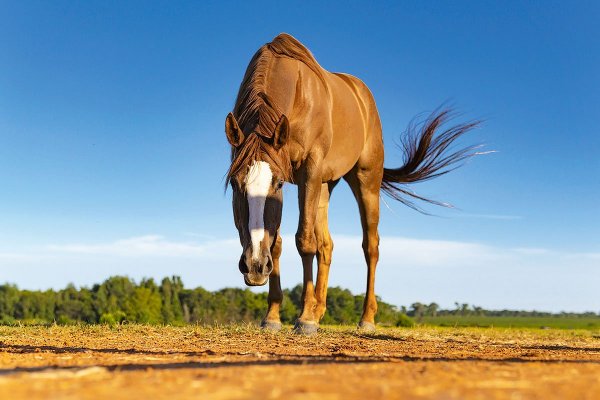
257, 114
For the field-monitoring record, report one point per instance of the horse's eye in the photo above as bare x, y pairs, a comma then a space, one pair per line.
279, 184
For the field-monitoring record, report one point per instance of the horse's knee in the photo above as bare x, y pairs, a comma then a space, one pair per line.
306, 243
371, 247
325, 249
371, 305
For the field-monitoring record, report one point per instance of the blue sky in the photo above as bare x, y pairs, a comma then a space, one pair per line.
112, 150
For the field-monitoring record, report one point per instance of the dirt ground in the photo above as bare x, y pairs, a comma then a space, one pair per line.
233, 362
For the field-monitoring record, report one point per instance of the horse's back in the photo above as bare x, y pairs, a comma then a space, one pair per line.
356, 128
332, 115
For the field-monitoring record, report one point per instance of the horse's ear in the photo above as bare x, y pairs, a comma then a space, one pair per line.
235, 136
282, 132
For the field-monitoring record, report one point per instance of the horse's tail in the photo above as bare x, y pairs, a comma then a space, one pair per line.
426, 156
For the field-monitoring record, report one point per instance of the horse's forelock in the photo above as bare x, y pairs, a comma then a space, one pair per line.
257, 148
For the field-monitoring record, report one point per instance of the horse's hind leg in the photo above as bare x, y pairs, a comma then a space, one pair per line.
324, 248
272, 320
365, 183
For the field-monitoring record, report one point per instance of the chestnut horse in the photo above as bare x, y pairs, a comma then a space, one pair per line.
295, 122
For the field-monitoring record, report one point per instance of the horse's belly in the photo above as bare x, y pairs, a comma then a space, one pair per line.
342, 156
348, 124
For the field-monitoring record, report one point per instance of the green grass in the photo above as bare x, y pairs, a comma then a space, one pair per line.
514, 322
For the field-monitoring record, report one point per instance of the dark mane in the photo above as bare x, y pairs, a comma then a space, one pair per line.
254, 109
285, 45
257, 114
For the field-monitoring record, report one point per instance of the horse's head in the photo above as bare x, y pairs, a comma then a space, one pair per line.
256, 179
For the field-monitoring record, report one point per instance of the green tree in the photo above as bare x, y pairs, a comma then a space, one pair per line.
417, 310
35, 306
147, 303
172, 312
341, 307
75, 305
464, 309
115, 296
9, 297
288, 310
199, 304
432, 309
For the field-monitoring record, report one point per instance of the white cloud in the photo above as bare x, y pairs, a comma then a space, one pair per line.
488, 216
409, 269
531, 250
591, 256
20, 257
148, 245
417, 252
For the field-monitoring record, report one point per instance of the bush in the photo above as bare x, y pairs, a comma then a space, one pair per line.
405, 321
108, 319
64, 320
112, 319
8, 320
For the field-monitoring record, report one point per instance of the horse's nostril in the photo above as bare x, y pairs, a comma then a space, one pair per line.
242, 266
269, 269
269, 264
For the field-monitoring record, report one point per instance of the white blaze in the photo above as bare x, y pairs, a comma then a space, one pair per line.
258, 182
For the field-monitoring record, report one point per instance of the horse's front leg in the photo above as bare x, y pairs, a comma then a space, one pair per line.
324, 248
272, 320
309, 190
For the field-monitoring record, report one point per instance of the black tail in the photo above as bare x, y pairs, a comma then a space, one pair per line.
426, 157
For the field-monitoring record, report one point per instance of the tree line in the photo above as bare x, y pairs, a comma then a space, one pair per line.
419, 310
120, 299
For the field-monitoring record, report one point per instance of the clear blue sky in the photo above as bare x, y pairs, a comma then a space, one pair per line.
112, 150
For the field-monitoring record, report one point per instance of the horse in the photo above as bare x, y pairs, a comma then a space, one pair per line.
295, 122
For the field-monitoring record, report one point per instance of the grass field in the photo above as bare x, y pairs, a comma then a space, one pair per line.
232, 362
515, 322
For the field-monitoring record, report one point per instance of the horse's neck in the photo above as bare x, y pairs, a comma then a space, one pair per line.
282, 83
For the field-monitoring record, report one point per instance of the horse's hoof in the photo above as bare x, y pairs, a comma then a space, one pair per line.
306, 328
272, 326
364, 326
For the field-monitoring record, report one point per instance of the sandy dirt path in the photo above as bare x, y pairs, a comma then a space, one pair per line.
233, 362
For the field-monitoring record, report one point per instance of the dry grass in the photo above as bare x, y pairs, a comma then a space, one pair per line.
242, 361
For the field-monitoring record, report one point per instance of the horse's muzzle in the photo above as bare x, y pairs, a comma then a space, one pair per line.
258, 273
255, 279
